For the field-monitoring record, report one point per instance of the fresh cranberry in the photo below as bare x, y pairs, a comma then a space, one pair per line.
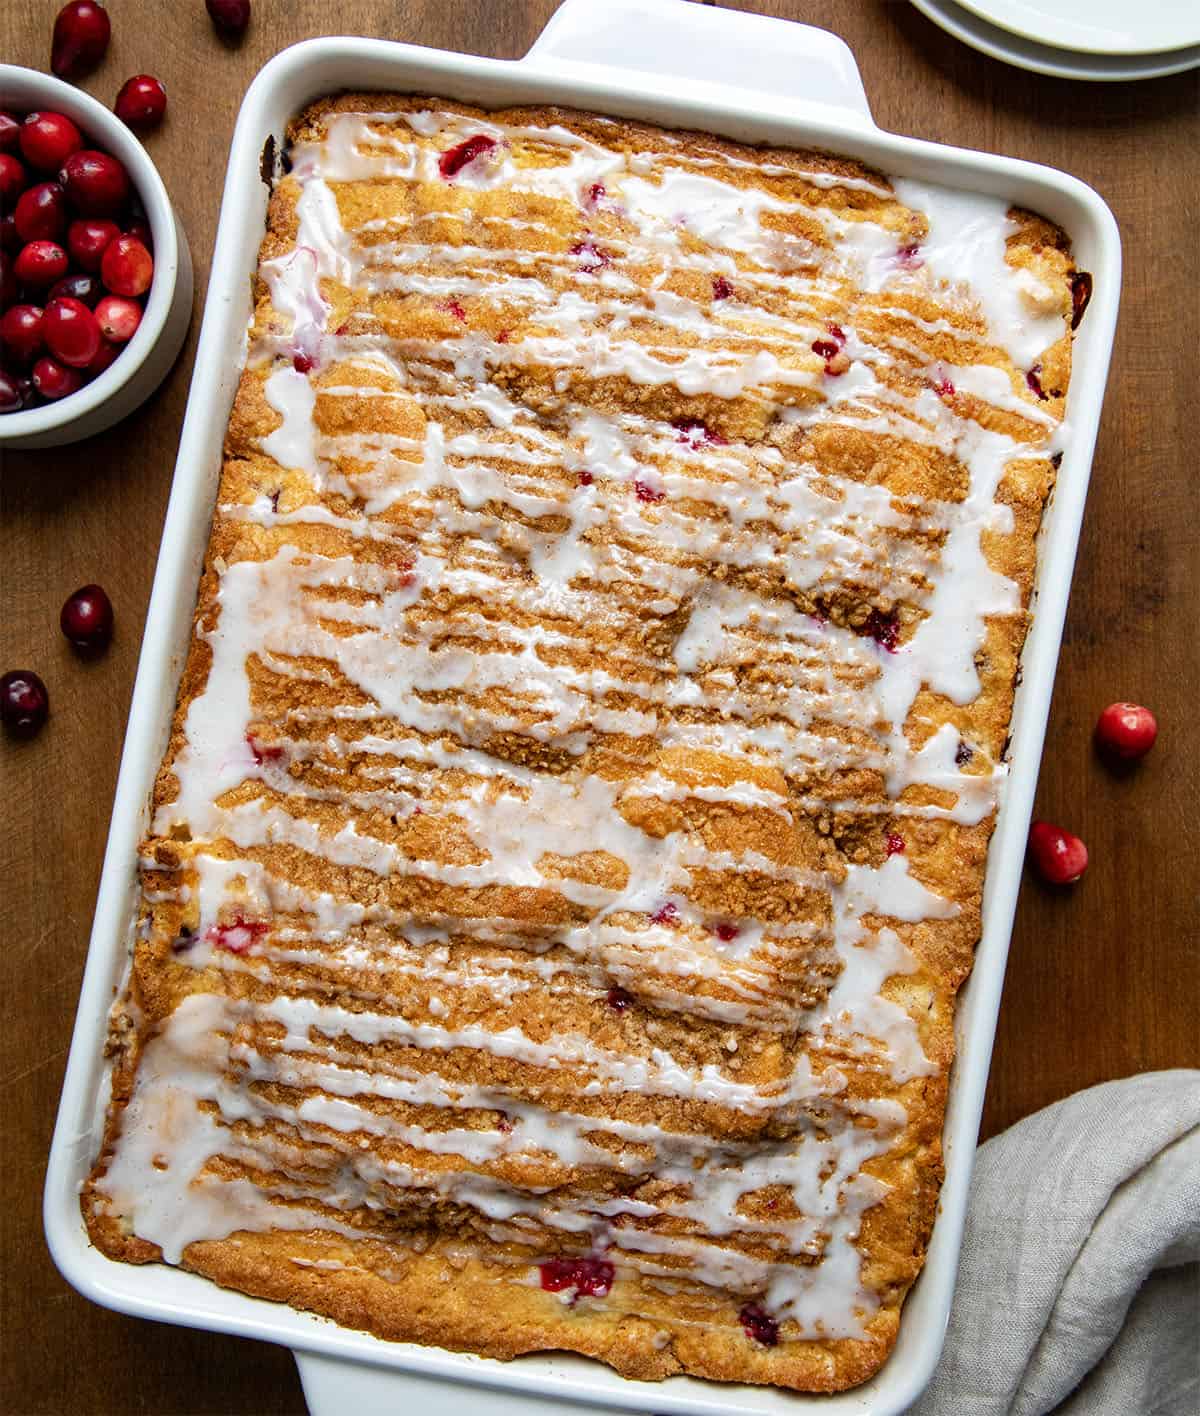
10, 131
107, 354
1126, 730
81, 35
87, 619
119, 318
727, 933
1060, 857
591, 257
667, 913
8, 280
95, 183
41, 212
12, 397
456, 158
9, 240
48, 139
883, 629
127, 267
1081, 293
72, 332
895, 844
40, 263
722, 289
87, 239
589, 1277
618, 1000
24, 702
22, 333
54, 380
141, 102
80, 286
238, 937
13, 178
759, 1325
139, 229
230, 17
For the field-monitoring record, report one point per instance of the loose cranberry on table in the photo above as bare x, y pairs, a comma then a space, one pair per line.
82, 30
87, 618
54, 380
95, 183
230, 17
1126, 731
127, 267
21, 332
141, 102
24, 702
1060, 857
40, 263
72, 332
87, 239
41, 212
48, 139
118, 318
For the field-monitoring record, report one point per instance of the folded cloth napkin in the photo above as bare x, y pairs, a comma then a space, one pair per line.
1079, 1285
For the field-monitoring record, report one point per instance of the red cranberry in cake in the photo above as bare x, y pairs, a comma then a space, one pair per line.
591, 257
1081, 293
691, 432
1060, 857
262, 751
759, 1325
81, 33
909, 257
647, 493
302, 363
585, 478
884, 629
963, 753
87, 619
1126, 731
456, 158
1034, 379
238, 937
895, 844
618, 1000
726, 932
589, 1277
667, 913
722, 289
24, 703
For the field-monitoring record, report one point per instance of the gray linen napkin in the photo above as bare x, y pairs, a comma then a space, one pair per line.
1079, 1286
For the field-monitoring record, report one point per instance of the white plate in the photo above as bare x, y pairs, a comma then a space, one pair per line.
754, 79
1151, 27
1044, 58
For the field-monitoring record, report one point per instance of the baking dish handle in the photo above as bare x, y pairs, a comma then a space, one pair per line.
334, 1387
683, 45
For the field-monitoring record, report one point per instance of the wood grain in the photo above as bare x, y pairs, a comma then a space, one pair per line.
1102, 980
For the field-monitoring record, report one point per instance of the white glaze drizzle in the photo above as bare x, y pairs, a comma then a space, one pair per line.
642, 512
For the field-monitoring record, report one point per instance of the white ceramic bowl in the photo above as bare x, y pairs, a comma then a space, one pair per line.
144, 362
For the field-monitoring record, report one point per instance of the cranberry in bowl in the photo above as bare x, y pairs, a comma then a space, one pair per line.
109, 167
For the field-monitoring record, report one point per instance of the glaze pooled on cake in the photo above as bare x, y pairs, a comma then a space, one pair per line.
573, 831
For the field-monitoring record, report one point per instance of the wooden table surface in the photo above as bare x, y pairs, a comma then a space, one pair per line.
1101, 981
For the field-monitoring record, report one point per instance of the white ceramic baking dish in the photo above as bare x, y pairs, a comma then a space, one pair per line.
682, 65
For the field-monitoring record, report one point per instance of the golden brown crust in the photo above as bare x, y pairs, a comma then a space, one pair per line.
425, 1267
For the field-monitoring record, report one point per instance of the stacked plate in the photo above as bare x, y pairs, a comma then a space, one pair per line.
1078, 39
